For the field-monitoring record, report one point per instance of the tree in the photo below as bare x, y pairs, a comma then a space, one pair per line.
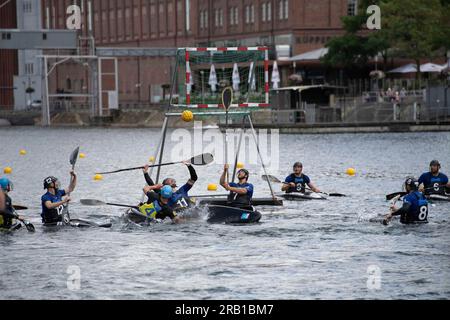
356, 46
412, 27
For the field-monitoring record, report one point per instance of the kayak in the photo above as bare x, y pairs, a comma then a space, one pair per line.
438, 197
232, 215
255, 201
66, 221
137, 217
297, 196
15, 226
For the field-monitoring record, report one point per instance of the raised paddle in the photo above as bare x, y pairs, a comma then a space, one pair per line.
201, 160
227, 100
93, 202
276, 180
74, 157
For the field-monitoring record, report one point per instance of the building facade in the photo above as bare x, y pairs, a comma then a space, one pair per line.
295, 26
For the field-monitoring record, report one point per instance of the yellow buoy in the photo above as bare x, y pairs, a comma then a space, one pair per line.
82, 156
7, 170
240, 165
22, 152
98, 177
152, 159
187, 116
212, 187
351, 171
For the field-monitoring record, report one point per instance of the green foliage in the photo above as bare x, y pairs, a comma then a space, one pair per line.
412, 29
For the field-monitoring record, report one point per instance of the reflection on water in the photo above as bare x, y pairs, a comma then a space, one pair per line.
304, 250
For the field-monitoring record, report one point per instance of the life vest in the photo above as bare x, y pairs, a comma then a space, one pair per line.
418, 212
6, 222
300, 184
150, 210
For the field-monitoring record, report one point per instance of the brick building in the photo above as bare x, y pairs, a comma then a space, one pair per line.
297, 26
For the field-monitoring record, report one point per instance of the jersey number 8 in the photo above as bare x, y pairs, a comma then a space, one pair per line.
423, 213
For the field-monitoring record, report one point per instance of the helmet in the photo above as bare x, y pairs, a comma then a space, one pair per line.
245, 171
49, 180
435, 163
412, 183
5, 183
298, 164
170, 182
166, 192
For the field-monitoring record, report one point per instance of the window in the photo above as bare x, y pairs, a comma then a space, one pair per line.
188, 15
29, 68
352, 7
264, 12
234, 18
204, 19
249, 14
269, 11
252, 14
283, 12
27, 6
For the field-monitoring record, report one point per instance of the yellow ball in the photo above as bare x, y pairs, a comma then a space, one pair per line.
22, 152
98, 177
7, 170
151, 160
240, 165
187, 116
212, 187
351, 171
82, 156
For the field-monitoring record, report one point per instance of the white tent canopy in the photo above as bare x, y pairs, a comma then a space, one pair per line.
412, 68
431, 67
310, 55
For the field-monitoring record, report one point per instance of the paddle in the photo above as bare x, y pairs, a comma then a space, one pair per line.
227, 100
402, 193
201, 160
19, 208
93, 202
74, 157
30, 227
276, 180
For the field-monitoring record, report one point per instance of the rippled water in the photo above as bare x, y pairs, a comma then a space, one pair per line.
304, 250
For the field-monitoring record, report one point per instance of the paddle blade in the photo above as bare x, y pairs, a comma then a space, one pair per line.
227, 98
74, 157
394, 195
29, 226
202, 160
271, 178
336, 195
92, 202
19, 208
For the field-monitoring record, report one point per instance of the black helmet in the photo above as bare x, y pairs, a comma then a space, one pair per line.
48, 181
412, 183
247, 174
298, 164
435, 163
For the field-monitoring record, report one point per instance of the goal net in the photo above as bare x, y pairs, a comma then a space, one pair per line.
203, 73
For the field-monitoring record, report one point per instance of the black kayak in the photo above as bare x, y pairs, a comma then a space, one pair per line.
297, 196
137, 217
232, 215
67, 221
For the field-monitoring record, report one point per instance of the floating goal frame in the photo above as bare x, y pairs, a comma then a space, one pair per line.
186, 53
